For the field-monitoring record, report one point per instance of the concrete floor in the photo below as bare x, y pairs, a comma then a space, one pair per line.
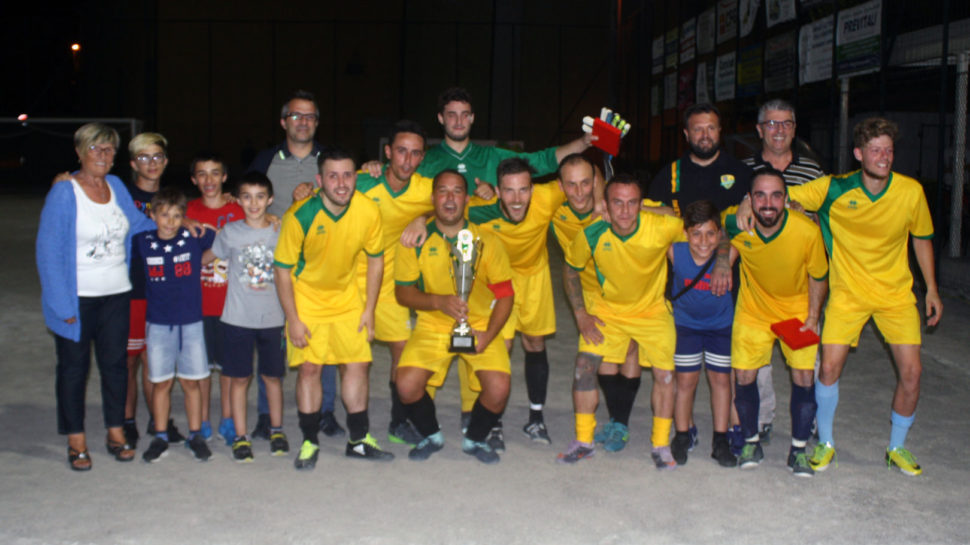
527, 498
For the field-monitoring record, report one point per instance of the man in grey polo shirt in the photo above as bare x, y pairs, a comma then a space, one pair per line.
288, 165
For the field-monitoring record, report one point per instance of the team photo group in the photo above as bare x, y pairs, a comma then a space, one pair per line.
441, 254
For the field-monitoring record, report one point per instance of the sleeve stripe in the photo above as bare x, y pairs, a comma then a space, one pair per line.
405, 282
502, 289
282, 265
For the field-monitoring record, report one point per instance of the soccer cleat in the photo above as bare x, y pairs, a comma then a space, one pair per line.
278, 445
307, 459
617, 439
496, 439
206, 430
604, 432
367, 449
679, 446
427, 446
764, 436
822, 456
261, 431
227, 430
157, 449
480, 450
663, 458
735, 440
692, 433
242, 451
904, 460
798, 463
576, 451
751, 455
199, 448
329, 425
722, 453
537, 432
130, 430
403, 434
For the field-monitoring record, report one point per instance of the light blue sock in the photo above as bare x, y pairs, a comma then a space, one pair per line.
901, 425
827, 398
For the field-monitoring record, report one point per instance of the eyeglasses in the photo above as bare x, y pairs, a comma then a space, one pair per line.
773, 124
145, 158
101, 150
297, 117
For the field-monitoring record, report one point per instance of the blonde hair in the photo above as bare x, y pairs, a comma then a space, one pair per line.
95, 133
145, 139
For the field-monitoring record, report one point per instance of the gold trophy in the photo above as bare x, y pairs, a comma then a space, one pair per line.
464, 258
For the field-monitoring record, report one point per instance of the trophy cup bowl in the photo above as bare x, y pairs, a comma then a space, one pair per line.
464, 257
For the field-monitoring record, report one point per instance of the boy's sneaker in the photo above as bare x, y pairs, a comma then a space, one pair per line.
904, 460
679, 447
403, 433
206, 430
199, 448
242, 451
604, 432
130, 430
481, 450
693, 434
751, 455
367, 449
764, 436
308, 456
329, 425
798, 463
722, 453
174, 436
663, 458
822, 457
157, 449
278, 445
617, 439
227, 430
496, 439
261, 431
576, 451
735, 440
537, 432
427, 446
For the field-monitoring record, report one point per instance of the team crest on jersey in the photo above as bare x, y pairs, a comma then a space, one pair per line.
462, 169
747, 244
727, 181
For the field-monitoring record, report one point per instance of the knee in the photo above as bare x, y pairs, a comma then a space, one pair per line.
309, 371
745, 376
663, 379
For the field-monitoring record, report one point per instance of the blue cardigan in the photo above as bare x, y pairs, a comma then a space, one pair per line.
57, 252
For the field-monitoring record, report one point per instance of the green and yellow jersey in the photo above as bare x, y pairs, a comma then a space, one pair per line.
477, 161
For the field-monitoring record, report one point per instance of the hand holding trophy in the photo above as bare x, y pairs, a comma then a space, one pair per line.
464, 259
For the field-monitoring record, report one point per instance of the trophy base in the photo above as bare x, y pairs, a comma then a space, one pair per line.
462, 344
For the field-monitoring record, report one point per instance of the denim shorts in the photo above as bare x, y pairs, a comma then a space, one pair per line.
176, 350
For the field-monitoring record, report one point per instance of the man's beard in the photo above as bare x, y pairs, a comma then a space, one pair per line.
767, 223
701, 153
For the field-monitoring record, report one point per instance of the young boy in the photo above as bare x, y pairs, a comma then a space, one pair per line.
252, 314
209, 173
175, 345
703, 323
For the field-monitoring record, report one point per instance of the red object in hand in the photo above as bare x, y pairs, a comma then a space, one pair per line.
608, 137
789, 332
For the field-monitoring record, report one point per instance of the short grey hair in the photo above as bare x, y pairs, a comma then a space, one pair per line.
775, 104
95, 133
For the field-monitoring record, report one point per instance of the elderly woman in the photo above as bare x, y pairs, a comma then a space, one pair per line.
82, 256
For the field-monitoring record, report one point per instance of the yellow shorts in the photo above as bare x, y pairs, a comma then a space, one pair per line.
392, 321
845, 317
751, 348
428, 350
655, 335
331, 343
533, 312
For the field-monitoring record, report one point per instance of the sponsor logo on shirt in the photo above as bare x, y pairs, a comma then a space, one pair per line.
853, 205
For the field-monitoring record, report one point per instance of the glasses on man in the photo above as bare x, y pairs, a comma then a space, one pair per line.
154, 158
774, 124
101, 150
298, 117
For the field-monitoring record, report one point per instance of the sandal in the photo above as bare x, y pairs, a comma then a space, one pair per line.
78, 460
123, 452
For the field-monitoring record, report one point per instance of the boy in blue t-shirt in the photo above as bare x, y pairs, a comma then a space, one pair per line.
252, 316
703, 323
175, 344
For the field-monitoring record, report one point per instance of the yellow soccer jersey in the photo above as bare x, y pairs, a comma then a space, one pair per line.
774, 281
867, 235
524, 241
631, 271
321, 250
429, 267
566, 224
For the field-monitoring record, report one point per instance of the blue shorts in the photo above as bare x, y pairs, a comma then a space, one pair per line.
696, 346
237, 351
212, 328
176, 350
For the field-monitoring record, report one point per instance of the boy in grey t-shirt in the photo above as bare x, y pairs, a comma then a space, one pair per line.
252, 315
